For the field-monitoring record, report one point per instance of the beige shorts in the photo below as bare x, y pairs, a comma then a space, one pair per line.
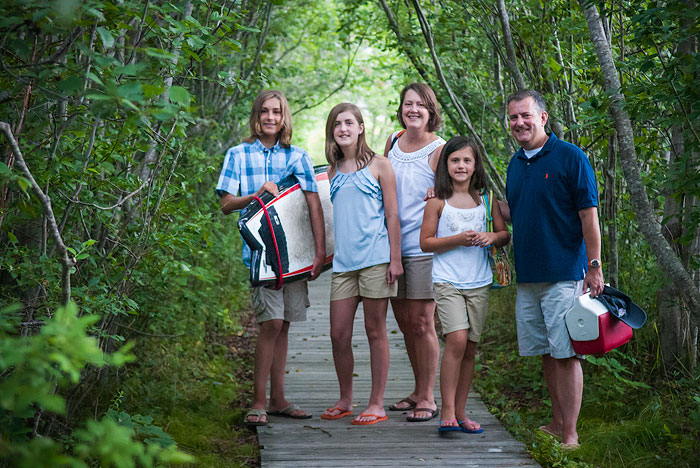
462, 309
417, 279
368, 282
288, 303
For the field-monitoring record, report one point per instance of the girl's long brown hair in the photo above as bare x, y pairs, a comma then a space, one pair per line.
363, 153
285, 134
443, 182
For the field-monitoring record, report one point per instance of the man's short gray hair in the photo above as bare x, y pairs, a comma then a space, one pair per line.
526, 93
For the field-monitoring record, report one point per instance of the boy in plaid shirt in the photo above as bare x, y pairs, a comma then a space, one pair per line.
251, 168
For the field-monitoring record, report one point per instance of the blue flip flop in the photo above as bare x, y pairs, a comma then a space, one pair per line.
442, 428
463, 427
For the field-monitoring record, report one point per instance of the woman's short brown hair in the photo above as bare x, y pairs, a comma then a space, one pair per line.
428, 97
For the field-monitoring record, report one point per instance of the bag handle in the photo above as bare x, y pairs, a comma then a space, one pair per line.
486, 196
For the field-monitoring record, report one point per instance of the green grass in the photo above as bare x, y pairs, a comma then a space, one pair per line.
197, 391
630, 417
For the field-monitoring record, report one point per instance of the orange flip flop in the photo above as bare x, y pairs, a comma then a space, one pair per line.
342, 413
367, 423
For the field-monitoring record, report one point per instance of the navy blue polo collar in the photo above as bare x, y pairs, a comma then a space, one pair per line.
545, 149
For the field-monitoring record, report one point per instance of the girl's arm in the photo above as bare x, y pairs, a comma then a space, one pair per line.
428, 241
500, 235
387, 181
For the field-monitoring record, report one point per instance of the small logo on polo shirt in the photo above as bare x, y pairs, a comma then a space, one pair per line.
546, 176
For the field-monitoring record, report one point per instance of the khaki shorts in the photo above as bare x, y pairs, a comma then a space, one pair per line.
462, 309
288, 303
417, 279
368, 282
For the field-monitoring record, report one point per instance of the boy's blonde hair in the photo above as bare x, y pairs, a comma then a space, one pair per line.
285, 134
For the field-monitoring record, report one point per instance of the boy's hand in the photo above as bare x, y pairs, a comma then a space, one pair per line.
268, 187
317, 267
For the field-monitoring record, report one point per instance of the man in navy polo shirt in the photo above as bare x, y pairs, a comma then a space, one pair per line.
553, 201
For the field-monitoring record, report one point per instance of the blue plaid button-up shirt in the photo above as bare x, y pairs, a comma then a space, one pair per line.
249, 165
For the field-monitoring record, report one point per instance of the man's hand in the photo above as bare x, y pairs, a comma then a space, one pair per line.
593, 280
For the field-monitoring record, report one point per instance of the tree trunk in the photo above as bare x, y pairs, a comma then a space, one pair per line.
494, 179
502, 109
668, 261
511, 59
150, 157
610, 190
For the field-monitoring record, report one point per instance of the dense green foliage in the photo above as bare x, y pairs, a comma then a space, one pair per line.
122, 111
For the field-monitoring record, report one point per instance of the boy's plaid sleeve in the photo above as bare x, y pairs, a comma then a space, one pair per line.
230, 177
304, 172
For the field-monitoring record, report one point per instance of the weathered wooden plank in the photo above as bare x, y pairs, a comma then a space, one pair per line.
311, 383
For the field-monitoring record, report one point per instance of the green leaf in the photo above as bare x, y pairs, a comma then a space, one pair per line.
152, 90
4, 169
159, 53
106, 37
130, 70
70, 84
95, 78
23, 183
179, 95
165, 113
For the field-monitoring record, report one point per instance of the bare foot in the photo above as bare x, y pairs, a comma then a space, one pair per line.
424, 415
372, 413
338, 411
551, 429
470, 426
407, 403
449, 423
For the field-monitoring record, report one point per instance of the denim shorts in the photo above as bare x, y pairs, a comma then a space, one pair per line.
540, 309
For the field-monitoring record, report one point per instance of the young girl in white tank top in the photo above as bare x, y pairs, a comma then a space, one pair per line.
454, 228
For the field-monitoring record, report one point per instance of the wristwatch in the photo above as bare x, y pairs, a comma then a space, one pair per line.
595, 263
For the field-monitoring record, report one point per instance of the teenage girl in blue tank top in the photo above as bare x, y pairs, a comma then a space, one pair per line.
454, 228
367, 258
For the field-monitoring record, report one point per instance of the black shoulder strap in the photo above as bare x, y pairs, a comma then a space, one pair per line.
393, 141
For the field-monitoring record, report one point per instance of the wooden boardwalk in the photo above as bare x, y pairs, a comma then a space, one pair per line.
311, 383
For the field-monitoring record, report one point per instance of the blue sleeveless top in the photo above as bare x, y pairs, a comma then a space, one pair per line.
361, 237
